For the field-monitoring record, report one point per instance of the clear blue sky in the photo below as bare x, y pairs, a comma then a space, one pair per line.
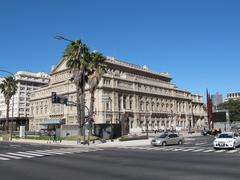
196, 41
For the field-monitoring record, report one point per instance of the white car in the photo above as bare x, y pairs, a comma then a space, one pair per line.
226, 140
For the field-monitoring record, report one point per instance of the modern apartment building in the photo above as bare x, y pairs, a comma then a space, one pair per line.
26, 82
148, 98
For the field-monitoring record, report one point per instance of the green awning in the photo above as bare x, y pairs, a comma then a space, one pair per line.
53, 122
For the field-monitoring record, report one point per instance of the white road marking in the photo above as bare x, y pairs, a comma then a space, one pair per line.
9, 156
233, 151
21, 155
31, 154
4, 159
46, 154
167, 149
209, 150
218, 151
139, 148
51, 152
177, 149
186, 150
197, 150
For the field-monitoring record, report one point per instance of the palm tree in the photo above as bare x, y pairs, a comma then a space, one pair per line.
8, 88
96, 69
77, 56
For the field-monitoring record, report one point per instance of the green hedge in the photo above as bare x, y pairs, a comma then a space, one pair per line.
130, 138
37, 137
75, 138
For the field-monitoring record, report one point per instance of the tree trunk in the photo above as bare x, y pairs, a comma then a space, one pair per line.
78, 106
83, 109
91, 104
7, 117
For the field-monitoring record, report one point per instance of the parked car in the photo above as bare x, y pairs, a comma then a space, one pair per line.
214, 131
167, 139
226, 140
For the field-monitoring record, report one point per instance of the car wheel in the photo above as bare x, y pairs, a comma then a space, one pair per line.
180, 142
234, 147
164, 143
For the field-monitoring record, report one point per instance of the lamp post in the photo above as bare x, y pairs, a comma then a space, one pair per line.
62, 38
82, 117
11, 132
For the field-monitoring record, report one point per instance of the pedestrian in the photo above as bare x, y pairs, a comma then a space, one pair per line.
54, 137
49, 137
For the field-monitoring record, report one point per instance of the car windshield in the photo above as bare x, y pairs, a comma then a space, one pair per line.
163, 135
225, 136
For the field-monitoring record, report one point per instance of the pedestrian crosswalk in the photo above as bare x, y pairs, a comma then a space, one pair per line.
42, 153
182, 149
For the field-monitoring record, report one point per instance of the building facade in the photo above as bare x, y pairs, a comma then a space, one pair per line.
233, 96
26, 83
216, 100
149, 99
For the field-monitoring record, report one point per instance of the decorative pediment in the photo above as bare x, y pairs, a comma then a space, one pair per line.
60, 67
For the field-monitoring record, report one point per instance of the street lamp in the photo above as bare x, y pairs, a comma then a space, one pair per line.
58, 37
11, 132
62, 38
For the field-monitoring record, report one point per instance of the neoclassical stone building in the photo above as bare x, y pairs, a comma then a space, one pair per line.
149, 99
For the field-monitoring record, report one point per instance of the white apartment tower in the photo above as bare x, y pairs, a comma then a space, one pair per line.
26, 83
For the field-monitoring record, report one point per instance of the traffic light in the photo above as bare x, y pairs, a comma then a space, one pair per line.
54, 97
58, 99
65, 101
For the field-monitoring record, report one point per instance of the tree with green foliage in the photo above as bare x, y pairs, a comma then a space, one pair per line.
8, 88
96, 69
77, 56
234, 109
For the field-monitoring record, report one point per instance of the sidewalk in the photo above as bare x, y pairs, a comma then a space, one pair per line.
115, 143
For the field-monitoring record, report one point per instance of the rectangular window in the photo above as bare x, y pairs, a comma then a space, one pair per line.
124, 102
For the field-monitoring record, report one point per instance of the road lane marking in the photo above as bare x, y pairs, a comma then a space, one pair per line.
218, 151
186, 150
52, 152
4, 159
177, 149
46, 154
233, 151
31, 154
168, 149
21, 155
197, 150
209, 150
9, 156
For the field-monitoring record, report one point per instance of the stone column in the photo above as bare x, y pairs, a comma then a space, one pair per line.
113, 107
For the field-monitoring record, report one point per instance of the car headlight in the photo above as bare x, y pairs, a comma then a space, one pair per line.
230, 141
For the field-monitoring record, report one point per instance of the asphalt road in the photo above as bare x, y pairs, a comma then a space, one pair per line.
124, 164
13, 147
